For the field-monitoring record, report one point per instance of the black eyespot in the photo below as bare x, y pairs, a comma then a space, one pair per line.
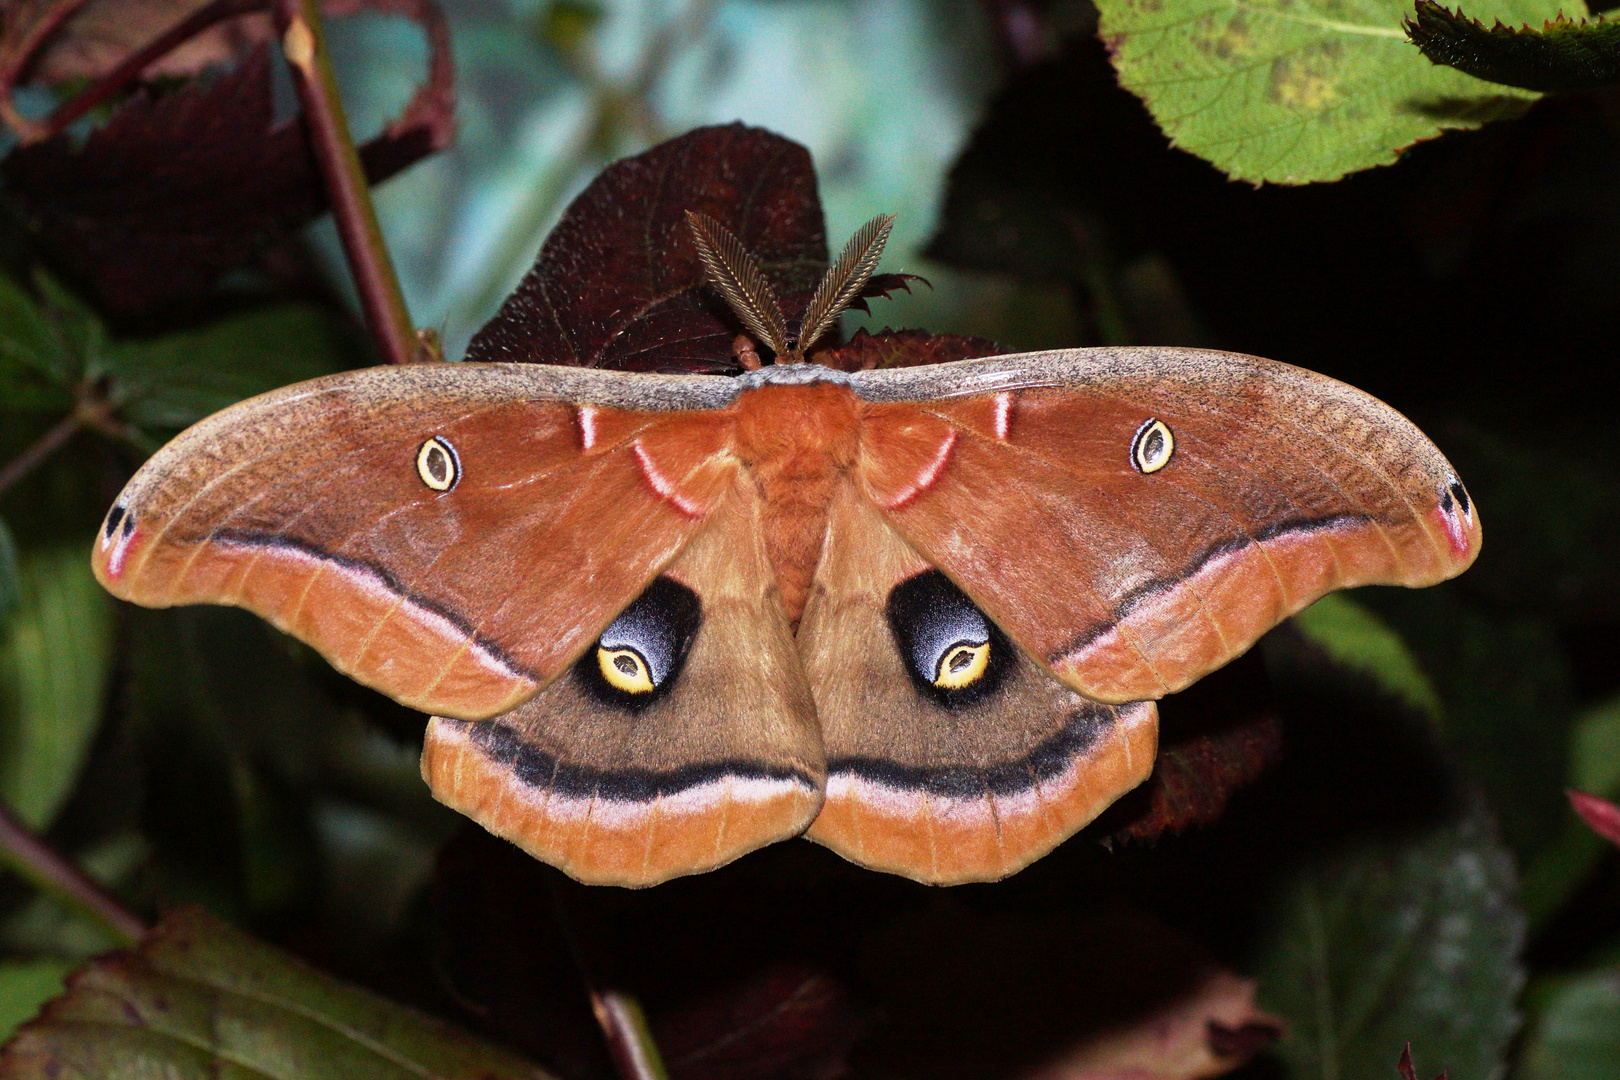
438, 465
953, 653
1460, 493
639, 656
114, 516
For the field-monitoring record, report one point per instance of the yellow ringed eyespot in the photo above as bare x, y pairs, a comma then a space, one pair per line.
438, 464
1152, 447
626, 670
962, 665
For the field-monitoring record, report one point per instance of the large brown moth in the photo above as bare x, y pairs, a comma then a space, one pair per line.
918, 615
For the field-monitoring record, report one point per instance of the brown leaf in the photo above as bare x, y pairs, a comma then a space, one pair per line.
618, 283
201, 181
1207, 1033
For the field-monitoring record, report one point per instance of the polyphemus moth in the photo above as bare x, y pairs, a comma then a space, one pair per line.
919, 615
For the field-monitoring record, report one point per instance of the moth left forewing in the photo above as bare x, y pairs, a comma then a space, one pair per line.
952, 756
450, 534
1137, 517
685, 738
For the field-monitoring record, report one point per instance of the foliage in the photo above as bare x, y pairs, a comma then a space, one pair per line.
1295, 92
1322, 867
198, 998
1562, 55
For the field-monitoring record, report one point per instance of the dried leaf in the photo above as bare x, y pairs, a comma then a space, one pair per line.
1207, 1033
882, 285
619, 284
1563, 55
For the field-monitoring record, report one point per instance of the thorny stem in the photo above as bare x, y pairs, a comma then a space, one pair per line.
619, 1014
35, 860
92, 410
304, 42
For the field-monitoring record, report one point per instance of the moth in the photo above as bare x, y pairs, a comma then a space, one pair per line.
919, 615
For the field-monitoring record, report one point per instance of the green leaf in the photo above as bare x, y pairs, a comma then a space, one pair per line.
1563, 55
8, 571
1398, 939
1295, 91
38, 368
1594, 757
174, 381
200, 1000
25, 985
55, 659
1355, 638
1577, 1035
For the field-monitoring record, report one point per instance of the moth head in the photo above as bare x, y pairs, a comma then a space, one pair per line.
737, 275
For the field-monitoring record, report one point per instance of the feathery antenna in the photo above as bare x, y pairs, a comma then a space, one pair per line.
845, 279
733, 270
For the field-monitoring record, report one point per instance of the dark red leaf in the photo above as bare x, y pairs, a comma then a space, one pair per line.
1089, 994
1408, 1071
176, 190
903, 348
1601, 814
882, 285
1215, 737
788, 1022
618, 283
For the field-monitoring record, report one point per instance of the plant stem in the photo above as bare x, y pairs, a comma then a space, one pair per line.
304, 42
39, 863
47, 444
624, 1025
629, 1039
